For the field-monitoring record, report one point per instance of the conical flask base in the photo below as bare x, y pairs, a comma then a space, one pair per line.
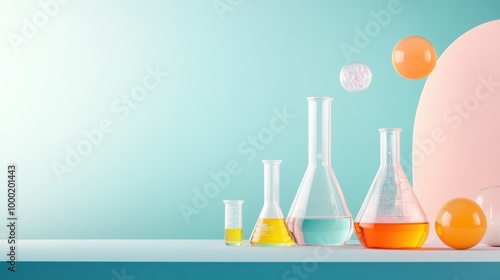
320, 230
271, 232
392, 236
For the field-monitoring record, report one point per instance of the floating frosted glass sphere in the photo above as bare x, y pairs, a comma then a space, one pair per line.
355, 77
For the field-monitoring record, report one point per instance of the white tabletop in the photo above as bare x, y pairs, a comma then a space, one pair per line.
217, 251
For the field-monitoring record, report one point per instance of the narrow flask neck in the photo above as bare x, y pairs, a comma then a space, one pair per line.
271, 181
389, 146
319, 129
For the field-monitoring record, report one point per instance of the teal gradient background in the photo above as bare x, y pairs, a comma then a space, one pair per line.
226, 79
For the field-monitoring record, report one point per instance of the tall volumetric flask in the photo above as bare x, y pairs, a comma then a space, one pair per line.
391, 216
271, 229
319, 214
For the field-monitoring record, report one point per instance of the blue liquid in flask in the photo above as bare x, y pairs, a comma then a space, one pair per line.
321, 230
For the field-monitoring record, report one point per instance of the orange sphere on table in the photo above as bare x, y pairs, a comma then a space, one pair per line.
414, 57
461, 223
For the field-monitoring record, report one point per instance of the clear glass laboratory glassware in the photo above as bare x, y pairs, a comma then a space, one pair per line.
270, 229
489, 200
319, 213
391, 216
233, 231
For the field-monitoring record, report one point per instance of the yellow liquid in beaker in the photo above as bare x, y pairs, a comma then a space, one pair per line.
233, 236
271, 232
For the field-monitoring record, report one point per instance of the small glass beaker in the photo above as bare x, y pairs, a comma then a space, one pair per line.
271, 229
391, 216
489, 200
233, 231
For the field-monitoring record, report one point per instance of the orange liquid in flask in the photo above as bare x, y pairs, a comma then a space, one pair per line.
392, 236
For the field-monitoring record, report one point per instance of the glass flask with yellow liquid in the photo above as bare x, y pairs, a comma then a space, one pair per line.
271, 229
391, 216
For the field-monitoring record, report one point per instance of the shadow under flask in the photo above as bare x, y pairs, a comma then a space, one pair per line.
319, 214
271, 229
391, 216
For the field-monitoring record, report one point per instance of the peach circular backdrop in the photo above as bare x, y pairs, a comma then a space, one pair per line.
456, 138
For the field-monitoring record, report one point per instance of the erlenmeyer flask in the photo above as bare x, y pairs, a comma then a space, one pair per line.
489, 200
391, 216
271, 229
319, 214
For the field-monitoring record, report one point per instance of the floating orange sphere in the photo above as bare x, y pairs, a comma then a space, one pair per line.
461, 223
414, 57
